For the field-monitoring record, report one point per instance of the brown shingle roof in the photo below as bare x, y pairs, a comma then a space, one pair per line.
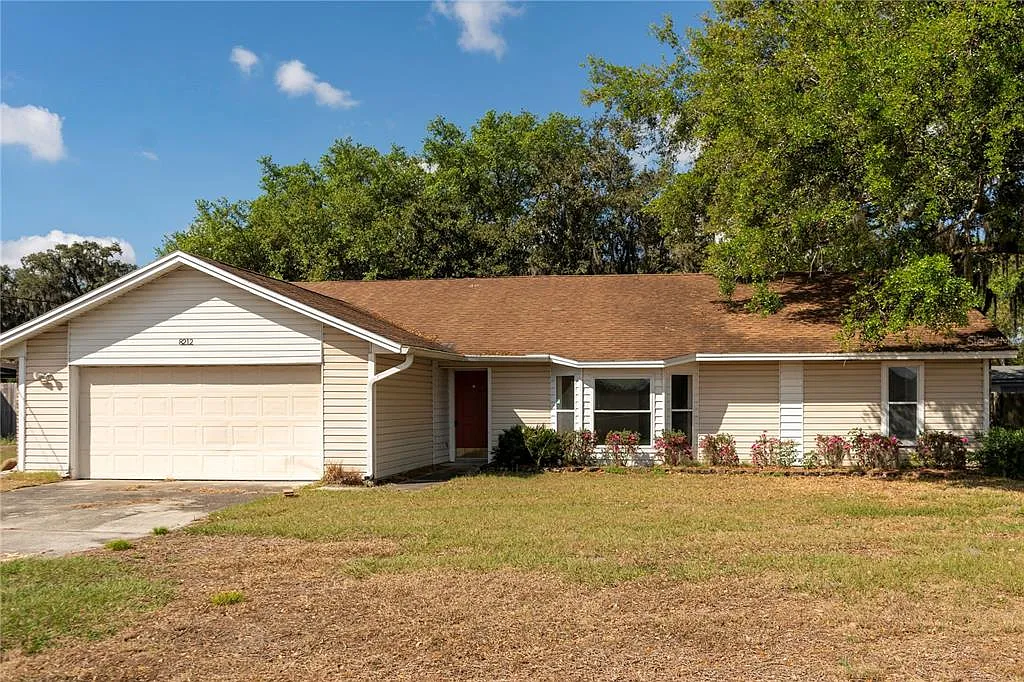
332, 306
622, 317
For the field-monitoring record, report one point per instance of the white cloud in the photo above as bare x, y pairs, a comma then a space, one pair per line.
480, 20
687, 155
146, 154
645, 157
34, 127
11, 250
244, 59
294, 79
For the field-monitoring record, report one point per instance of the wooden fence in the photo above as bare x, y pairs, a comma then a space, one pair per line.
8, 409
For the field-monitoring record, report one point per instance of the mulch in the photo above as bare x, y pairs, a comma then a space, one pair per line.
306, 618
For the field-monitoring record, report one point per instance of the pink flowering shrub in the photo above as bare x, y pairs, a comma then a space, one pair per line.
874, 451
829, 451
941, 450
719, 450
673, 448
580, 447
772, 452
623, 447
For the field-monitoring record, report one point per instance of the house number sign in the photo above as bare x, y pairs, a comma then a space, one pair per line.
185, 341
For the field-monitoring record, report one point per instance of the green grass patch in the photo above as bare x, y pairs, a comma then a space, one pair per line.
118, 545
227, 598
46, 599
809, 534
160, 530
27, 479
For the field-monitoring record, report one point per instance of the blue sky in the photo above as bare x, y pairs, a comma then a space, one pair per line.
117, 117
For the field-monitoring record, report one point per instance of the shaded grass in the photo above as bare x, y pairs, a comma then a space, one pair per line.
46, 599
814, 535
27, 479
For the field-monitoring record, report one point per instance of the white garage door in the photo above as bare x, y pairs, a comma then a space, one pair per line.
231, 423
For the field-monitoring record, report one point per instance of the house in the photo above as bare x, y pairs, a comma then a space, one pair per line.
192, 369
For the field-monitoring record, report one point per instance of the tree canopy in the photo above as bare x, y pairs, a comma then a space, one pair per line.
863, 136
512, 195
51, 278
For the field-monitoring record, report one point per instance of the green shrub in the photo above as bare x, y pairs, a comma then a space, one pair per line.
829, 451
545, 446
227, 598
719, 450
874, 451
941, 450
1002, 453
118, 545
528, 447
673, 448
771, 451
580, 447
622, 447
510, 452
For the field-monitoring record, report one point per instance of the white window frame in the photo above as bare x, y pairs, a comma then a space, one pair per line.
669, 410
556, 395
650, 402
919, 368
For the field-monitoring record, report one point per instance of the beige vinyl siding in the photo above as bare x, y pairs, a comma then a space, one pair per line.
226, 324
839, 396
954, 396
520, 394
442, 426
345, 375
740, 398
47, 404
404, 417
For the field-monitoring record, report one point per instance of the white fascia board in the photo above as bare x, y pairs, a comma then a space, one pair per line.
169, 262
916, 355
716, 357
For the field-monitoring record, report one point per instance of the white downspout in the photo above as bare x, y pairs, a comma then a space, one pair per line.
22, 379
371, 405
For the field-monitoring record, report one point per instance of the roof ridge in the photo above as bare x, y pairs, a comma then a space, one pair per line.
505, 278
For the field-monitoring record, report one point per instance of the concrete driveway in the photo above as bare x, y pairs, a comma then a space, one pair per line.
71, 516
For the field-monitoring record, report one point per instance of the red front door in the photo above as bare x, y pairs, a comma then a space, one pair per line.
471, 409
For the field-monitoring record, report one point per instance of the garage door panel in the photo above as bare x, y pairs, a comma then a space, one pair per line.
201, 422
156, 436
243, 406
187, 406
307, 437
215, 406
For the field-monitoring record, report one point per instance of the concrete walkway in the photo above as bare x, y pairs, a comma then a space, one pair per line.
71, 516
429, 477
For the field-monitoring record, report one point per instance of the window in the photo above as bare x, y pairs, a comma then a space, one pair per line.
903, 408
565, 403
622, 405
682, 405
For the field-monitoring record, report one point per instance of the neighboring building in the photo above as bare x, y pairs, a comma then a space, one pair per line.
192, 369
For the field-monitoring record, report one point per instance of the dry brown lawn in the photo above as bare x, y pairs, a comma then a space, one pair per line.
26, 479
693, 577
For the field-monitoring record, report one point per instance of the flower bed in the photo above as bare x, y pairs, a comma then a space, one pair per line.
541, 448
